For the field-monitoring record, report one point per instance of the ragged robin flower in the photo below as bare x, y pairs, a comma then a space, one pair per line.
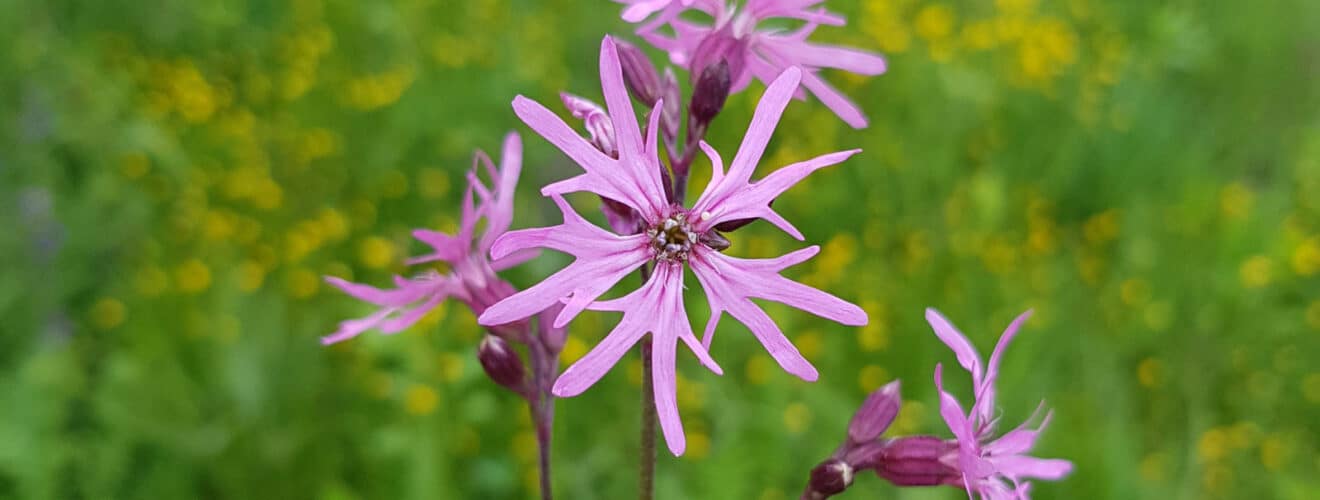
991, 467
471, 278
673, 238
750, 39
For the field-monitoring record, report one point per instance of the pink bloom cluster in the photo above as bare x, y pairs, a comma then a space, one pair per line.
993, 467
738, 36
977, 460
672, 239
471, 278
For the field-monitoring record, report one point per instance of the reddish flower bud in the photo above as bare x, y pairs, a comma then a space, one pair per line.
919, 461
831, 477
736, 224
670, 115
715, 241
639, 74
709, 93
876, 413
501, 363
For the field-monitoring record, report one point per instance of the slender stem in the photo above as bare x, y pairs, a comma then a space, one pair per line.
646, 482
646, 459
542, 405
543, 427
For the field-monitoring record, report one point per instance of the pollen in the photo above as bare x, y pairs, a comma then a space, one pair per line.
673, 238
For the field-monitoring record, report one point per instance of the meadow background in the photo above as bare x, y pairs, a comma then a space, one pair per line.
176, 176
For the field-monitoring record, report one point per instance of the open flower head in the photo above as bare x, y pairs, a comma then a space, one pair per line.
672, 239
992, 467
740, 36
471, 277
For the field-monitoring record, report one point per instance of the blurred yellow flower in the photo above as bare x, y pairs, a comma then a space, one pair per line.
796, 418
108, 313
934, 21
420, 400
303, 283
1275, 452
758, 369
376, 252
192, 276
698, 445
432, 183
251, 275
1134, 291
134, 165
524, 446
1153, 466
1306, 258
1213, 445
1235, 200
451, 366
574, 349
871, 377
1150, 373
1256, 272
151, 281
1101, 228
1311, 387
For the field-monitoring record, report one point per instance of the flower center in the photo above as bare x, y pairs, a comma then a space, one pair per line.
672, 239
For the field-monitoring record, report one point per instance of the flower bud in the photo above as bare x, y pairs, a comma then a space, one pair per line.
715, 241
919, 461
501, 363
553, 337
596, 120
719, 46
831, 477
876, 413
639, 74
670, 115
736, 224
709, 93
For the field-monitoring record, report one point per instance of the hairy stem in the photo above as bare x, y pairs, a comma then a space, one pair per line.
646, 481
646, 459
542, 405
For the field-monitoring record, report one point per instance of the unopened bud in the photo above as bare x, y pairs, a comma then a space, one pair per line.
831, 477
670, 115
919, 461
736, 224
709, 93
719, 46
876, 413
553, 337
639, 74
595, 119
715, 241
501, 363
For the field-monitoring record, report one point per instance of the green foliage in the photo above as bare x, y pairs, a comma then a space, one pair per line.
175, 177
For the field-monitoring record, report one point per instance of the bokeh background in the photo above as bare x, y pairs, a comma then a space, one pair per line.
176, 176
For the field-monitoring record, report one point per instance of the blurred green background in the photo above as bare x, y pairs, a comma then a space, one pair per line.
175, 177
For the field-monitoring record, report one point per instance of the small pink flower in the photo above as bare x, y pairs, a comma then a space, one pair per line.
752, 50
672, 239
994, 468
472, 275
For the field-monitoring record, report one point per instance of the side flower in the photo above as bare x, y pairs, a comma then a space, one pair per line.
673, 238
471, 278
755, 48
992, 467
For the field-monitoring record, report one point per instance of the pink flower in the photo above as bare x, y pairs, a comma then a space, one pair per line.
752, 50
672, 239
994, 468
638, 10
472, 275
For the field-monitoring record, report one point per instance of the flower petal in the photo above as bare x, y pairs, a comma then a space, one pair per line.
962, 348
